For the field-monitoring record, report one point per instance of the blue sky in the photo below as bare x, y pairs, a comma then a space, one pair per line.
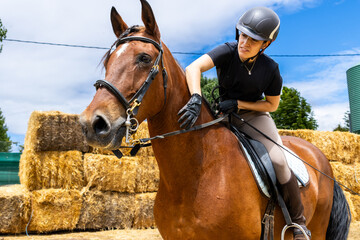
41, 77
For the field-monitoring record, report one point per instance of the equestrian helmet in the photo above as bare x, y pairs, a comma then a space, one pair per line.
259, 23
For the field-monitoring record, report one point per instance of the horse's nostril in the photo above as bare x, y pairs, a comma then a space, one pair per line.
100, 126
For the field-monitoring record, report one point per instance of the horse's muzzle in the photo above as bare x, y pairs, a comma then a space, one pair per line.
99, 131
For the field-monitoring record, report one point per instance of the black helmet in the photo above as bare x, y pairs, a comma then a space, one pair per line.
260, 23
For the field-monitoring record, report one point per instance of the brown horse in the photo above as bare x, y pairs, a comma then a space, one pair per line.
206, 190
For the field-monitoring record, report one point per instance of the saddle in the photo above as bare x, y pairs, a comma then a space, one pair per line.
261, 165
264, 174
257, 155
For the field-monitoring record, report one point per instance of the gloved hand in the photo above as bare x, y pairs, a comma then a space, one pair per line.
190, 112
228, 106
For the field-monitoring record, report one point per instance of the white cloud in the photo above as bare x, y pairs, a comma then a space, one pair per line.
326, 88
329, 116
36, 77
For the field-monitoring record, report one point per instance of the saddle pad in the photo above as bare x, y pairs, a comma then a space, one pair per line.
295, 164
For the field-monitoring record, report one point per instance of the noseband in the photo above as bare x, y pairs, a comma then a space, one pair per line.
132, 106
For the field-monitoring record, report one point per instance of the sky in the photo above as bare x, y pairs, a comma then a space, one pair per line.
44, 78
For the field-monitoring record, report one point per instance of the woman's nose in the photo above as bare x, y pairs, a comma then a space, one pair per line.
244, 40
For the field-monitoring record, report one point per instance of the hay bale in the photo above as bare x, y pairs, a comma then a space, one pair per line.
108, 173
351, 205
14, 208
349, 175
356, 204
54, 131
128, 174
106, 210
147, 174
52, 169
144, 211
55, 209
337, 146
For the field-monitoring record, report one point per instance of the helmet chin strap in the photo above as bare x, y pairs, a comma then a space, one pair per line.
258, 54
252, 58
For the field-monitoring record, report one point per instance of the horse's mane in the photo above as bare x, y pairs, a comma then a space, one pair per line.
209, 107
133, 29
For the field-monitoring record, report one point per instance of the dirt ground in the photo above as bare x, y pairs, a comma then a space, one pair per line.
149, 234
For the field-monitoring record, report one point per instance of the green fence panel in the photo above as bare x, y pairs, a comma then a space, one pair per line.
9, 168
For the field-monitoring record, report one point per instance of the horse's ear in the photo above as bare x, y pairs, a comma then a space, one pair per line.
149, 21
119, 26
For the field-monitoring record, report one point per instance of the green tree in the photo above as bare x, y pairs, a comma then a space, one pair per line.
207, 85
5, 143
346, 119
3, 32
341, 128
293, 111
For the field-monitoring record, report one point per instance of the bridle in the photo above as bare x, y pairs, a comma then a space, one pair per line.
132, 106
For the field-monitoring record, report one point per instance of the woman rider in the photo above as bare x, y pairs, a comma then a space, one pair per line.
245, 75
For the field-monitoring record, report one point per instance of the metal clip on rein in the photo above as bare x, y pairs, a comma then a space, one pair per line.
131, 125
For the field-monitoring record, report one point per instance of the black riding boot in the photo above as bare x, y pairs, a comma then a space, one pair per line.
291, 195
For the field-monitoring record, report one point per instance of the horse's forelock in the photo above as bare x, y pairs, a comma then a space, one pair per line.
127, 32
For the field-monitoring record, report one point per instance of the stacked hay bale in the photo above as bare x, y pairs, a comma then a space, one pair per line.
14, 208
67, 185
342, 149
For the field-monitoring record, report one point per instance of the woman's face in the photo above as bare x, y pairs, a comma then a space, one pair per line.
249, 47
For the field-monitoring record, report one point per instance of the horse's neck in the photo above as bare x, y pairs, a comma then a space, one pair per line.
181, 155
177, 97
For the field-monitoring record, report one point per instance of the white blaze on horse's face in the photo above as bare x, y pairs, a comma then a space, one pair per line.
121, 50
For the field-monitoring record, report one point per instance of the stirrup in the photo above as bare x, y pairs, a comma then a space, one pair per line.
296, 226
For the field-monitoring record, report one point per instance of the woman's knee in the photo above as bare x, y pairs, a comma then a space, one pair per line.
278, 159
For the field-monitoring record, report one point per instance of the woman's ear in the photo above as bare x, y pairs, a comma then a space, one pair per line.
265, 45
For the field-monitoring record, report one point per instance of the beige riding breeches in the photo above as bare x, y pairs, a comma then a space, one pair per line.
264, 123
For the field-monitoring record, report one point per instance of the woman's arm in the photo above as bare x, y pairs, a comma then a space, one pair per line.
270, 104
191, 111
194, 70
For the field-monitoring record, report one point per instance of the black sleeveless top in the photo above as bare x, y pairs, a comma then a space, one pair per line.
234, 79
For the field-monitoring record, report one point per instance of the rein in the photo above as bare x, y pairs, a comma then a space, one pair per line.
139, 143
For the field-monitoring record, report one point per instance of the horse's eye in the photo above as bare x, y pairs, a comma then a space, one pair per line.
144, 58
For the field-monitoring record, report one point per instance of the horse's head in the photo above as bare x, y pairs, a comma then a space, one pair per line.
131, 71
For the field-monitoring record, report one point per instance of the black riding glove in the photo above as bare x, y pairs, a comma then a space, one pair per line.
228, 106
190, 112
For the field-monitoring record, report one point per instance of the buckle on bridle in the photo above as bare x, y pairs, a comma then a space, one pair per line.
135, 104
156, 68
